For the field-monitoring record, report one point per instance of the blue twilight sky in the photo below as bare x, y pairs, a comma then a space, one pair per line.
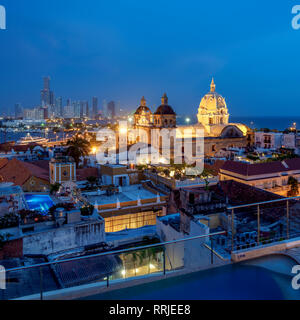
124, 49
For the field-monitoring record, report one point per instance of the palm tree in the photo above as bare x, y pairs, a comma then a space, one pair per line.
77, 148
205, 176
294, 190
92, 181
54, 188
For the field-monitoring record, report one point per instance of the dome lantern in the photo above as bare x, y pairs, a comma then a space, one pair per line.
212, 86
164, 100
143, 102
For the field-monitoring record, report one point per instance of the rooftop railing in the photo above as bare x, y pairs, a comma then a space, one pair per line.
106, 269
258, 209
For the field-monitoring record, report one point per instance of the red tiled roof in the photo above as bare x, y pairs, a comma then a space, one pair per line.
37, 171
19, 172
82, 174
24, 148
8, 146
3, 162
247, 169
214, 168
44, 164
240, 193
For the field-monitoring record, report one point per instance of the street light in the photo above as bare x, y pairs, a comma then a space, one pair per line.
187, 120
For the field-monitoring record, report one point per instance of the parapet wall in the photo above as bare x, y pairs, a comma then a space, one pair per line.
264, 250
64, 238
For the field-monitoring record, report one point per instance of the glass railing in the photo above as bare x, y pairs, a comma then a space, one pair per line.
47, 280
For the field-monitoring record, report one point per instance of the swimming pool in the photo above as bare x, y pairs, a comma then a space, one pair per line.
240, 281
38, 202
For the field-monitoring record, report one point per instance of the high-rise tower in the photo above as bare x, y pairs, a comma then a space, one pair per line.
47, 96
95, 107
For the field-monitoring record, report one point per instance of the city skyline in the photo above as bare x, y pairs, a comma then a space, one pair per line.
255, 66
57, 106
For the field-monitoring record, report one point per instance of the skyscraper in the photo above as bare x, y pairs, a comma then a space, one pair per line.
81, 109
52, 99
84, 109
69, 102
87, 109
47, 83
111, 109
47, 96
47, 99
18, 110
68, 112
77, 106
59, 107
95, 107
104, 108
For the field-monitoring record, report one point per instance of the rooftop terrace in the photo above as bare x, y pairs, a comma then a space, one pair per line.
126, 194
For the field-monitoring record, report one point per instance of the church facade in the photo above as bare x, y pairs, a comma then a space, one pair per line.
213, 119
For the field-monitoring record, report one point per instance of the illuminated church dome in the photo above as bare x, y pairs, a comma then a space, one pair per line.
143, 109
164, 108
165, 117
213, 109
143, 115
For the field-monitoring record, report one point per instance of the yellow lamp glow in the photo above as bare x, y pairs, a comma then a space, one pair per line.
123, 130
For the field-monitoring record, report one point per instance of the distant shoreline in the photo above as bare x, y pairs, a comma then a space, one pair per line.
271, 122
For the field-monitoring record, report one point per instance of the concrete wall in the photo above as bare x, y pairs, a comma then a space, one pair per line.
187, 254
174, 252
195, 254
64, 238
